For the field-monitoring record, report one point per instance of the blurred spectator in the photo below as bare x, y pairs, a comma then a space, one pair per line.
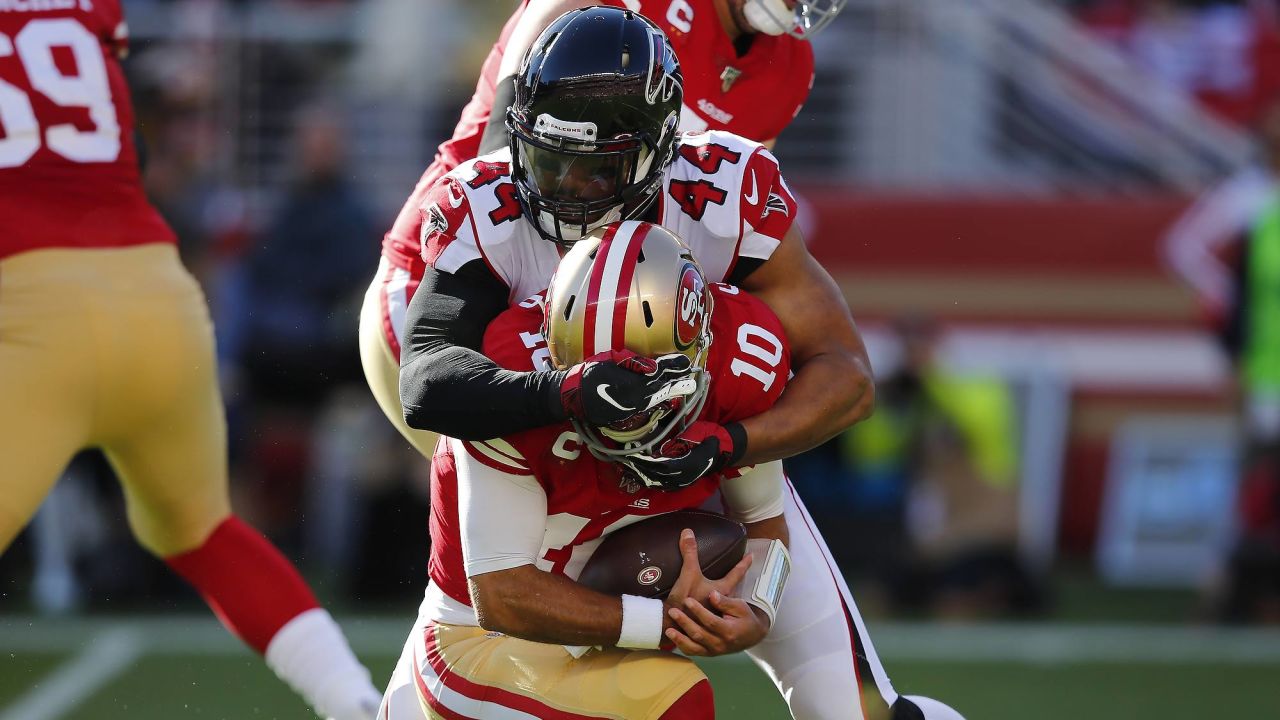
298, 297
930, 488
300, 281
1225, 52
1241, 292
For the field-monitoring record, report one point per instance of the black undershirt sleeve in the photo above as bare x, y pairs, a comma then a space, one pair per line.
742, 269
495, 133
446, 384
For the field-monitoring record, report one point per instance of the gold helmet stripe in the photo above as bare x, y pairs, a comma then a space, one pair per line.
605, 323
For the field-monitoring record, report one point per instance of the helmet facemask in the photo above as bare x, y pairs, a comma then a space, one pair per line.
665, 311
593, 121
571, 184
803, 21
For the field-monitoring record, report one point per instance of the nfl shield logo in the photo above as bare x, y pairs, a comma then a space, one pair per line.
728, 77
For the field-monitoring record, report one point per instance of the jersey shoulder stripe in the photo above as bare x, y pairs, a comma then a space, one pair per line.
499, 455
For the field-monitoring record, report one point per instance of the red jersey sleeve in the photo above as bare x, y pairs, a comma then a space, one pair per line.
514, 341
768, 207
116, 36
448, 236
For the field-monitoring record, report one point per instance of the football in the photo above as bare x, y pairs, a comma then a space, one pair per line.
644, 558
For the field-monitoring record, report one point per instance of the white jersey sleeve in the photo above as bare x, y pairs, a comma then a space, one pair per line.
473, 213
725, 197
502, 509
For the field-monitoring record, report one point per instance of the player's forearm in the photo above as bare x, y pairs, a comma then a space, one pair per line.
446, 384
530, 604
458, 392
827, 395
774, 528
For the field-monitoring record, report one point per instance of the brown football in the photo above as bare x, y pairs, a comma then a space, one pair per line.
644, 558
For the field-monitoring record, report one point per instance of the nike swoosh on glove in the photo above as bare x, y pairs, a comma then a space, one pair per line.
704, 448
612, 386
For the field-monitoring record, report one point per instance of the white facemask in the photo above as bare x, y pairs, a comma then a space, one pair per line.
573, 233
771, 17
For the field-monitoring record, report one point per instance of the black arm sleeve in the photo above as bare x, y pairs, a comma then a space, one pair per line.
446, 384
742, 270
495, 133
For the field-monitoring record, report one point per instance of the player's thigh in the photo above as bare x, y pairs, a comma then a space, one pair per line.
166, 435
381, 369
818, 651
47, 368
465, 669
400, 699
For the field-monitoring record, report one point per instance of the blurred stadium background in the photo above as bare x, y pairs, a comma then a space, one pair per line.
1052, 515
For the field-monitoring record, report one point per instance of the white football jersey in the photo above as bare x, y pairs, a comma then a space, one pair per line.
723, 195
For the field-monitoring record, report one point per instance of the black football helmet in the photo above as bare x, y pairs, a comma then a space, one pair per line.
593, 124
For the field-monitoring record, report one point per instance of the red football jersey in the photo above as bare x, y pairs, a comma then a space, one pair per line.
69, 172
755, 96
748, 362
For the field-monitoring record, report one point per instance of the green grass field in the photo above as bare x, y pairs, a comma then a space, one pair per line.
187, 667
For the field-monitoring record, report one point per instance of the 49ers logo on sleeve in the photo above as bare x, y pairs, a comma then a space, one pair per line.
692, 308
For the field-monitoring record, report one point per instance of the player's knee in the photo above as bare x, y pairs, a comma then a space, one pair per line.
914, 707
697, 703
168, 532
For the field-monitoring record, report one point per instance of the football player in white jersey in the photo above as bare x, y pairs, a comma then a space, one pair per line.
593, 140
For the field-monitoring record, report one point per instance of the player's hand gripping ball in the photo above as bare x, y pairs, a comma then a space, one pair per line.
644, 558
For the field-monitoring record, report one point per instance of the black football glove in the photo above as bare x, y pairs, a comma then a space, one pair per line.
703, 449
612, 386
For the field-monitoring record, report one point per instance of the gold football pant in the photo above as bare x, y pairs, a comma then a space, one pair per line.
451, 671
111, 348
383, 313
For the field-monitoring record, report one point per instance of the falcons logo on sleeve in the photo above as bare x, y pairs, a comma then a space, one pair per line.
433, 221
775, 203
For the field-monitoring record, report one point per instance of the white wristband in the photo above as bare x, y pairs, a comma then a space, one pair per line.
641, 623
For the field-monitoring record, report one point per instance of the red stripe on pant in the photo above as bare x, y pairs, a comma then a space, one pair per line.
482, 693
855, 641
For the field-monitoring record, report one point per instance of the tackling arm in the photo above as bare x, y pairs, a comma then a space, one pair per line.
832, 387
446, 384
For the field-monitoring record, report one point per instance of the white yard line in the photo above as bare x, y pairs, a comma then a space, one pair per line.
1045, 643
108, 655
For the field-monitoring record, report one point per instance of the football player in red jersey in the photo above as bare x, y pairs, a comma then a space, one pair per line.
748, 69
105, 342
565, 487
594, 140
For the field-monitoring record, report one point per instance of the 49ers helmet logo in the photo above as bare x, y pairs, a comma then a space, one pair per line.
691, 307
